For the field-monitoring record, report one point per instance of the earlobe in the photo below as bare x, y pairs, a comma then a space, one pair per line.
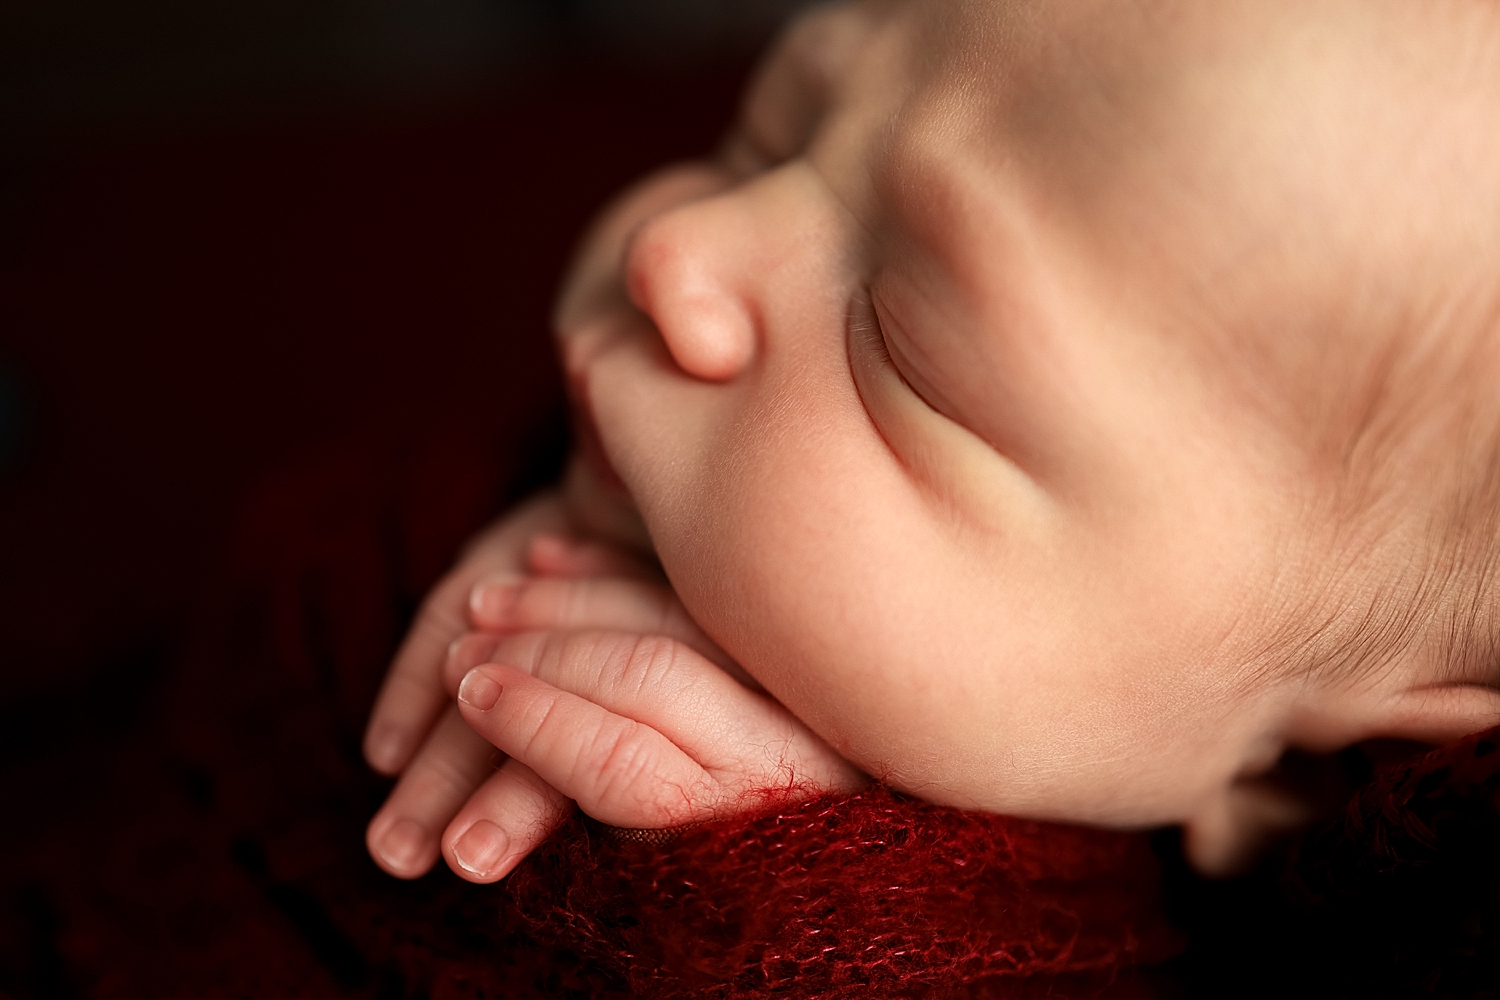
1253, 811
1250, 815
1239, 825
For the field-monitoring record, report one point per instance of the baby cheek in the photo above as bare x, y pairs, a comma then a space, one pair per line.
796, 542
836, 589
973, 676
796, 558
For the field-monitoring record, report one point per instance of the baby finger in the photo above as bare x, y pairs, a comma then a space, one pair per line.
409, 701
412, 696
619, 771
508, 603
572, 558
503, 821
739, 735
403, 836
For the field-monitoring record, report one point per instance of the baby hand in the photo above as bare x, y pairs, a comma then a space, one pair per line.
641, 731
415, 729
587, 619
612, 698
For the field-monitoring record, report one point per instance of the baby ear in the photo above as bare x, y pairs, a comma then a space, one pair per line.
1252, 813
1314, 778
1423, 713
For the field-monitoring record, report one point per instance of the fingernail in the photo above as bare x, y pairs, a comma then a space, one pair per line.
386, 747
491, 600
556, 543
402, 846
481, 848
478, 691
546, 548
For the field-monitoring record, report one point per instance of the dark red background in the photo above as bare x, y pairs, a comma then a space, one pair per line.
189, 311
209, 322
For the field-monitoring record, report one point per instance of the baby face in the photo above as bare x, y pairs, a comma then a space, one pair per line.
986, 397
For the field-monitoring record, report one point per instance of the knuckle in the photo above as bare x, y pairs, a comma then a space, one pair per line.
595, 658
622, 777
540, 732
456, 774
555, 653
614, 758
658, 244
649, 662
528, 651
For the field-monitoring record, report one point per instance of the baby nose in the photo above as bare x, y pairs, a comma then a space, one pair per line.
688, 269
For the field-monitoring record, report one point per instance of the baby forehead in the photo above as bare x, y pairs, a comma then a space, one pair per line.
1096, 98
1240, 138
1019, 71
996, 85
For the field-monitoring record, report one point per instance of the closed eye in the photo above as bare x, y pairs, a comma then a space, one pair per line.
890, 352
960, 469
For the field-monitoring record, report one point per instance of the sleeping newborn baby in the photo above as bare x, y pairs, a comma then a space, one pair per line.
1064, 408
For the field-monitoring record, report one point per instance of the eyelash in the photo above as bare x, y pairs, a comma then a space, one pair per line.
864, 320
869, 323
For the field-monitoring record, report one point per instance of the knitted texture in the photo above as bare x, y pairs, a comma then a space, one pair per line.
870, 895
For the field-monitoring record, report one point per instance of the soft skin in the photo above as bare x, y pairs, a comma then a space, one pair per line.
973, 358
1041, 401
